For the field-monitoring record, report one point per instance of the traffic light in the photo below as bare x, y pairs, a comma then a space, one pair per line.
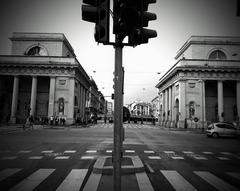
140, 35
97, 11
131, 18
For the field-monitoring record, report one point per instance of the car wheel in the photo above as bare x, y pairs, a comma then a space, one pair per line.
215, 135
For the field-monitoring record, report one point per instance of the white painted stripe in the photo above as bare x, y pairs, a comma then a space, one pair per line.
149, 168
35, 157
178, 182
24, 151
188, 152
108, 151
33, 180
149, 152
91, 151
207, 152
48, 151
73, 181
87, 157
92, 183
8, 172
216, 182
129, 151
143, 182
234, 174
62, 157
70, 151
9, 158
177, 158
154, 157
226, 153
223, 158
169, 152
200, 157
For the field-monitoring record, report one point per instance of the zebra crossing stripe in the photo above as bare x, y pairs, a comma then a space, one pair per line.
178, 182
24, 151
216, 182
8, 172
92, 183
73, 181
48, 151
234, 174
207, 152
33, 180
70, 151
169, 152
143, 182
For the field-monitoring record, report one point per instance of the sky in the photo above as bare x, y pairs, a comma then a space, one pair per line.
177, 20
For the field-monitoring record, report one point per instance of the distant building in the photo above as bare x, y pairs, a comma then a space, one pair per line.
43, 78
204, 84
140, 109
155, 107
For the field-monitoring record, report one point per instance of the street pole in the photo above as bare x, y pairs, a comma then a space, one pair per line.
118, 105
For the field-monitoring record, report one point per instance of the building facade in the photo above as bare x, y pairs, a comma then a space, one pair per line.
140, 109
204, 84
42, 78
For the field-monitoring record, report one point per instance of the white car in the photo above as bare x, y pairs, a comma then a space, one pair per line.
221, 129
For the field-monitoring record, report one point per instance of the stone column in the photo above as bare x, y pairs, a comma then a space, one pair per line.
173, 107
166, 106
203, 104
70, 114
33, 96
163, 107
159, 107
220, 100
51, 96
14, 99
182, 103
170, 105
238, 98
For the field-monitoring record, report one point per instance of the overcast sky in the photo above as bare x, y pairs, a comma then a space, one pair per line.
176, 21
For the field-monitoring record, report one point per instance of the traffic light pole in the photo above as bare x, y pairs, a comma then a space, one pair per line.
118, 105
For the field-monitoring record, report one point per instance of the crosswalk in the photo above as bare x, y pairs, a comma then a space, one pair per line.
126, 126
75, 178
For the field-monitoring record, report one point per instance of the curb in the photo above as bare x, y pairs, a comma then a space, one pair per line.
137, 166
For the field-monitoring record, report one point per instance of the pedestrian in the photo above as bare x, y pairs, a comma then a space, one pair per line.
31, 121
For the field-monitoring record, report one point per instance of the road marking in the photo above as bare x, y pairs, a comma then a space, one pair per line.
226, 153
108, 151
149, 152
62, 157
87, 157
91, 151
178, 182
200, 157
207, 152
92, 182
149, 168
9, 158
216, 182
33, 180
35, 157
223, 158
129, 151
169, 152
154, 157
8, 172
70, 151
234, 174
177, 157
143, 182
24, 151
73, 181
188, 152
48, 151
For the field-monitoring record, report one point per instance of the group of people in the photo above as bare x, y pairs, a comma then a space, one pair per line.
56, 120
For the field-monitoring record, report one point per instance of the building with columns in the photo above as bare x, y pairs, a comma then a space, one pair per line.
42, 78
203, 86
139, 108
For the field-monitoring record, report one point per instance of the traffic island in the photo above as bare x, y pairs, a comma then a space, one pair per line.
130, 165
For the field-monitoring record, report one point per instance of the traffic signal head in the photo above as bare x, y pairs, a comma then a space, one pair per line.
97, 11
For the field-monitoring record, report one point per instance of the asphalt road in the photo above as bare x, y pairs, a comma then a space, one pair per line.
64, 159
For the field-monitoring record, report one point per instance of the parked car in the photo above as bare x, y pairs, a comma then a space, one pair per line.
221, 129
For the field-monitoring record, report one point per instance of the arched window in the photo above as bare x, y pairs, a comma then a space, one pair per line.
191, 109
61, 106
217, 55
37, 51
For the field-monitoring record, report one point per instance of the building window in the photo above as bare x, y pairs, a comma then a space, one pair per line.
37, 51
191, 85
217, 55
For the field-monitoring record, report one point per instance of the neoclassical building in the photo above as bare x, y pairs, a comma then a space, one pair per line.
43, 78
204, 84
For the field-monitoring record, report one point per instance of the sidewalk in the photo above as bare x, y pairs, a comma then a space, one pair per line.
190, 130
